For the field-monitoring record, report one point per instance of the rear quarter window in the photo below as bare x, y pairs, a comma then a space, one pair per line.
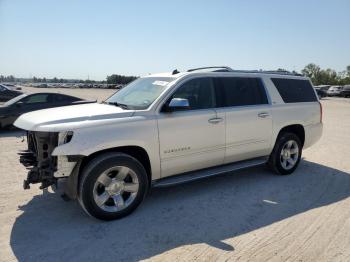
295, 90
62, 98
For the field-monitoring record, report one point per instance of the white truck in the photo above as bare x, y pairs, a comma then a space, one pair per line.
170, 128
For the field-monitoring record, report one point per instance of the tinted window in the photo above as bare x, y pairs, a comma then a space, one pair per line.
40, 98
63, 98
199, 92
240, 91
294, 90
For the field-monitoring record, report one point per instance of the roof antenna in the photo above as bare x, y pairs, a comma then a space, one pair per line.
175, 72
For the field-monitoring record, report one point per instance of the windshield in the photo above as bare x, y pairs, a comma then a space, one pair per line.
141, 93
14, 100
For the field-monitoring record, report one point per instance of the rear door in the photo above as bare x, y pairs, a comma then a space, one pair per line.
245, 106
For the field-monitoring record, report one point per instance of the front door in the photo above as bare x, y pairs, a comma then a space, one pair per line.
194, 138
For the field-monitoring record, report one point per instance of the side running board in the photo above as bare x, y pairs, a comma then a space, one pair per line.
208, 172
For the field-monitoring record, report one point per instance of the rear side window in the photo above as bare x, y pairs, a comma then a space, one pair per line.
294, 90
242, 91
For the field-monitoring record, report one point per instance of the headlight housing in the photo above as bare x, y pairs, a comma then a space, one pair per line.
65, 137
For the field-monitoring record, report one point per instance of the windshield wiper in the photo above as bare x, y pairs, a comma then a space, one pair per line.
123, 106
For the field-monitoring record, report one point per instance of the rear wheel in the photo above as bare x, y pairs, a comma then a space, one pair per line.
112, 186
286, 154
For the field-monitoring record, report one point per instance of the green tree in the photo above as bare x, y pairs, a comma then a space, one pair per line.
312, 71
326, 77
120, 79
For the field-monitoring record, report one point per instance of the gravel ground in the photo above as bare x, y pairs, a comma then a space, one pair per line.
248, 215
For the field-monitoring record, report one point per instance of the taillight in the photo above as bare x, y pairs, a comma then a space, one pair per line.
321, 112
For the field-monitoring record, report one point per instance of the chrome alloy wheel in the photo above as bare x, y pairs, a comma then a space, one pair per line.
116, 188
289, 154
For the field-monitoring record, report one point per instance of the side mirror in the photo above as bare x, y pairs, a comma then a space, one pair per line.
19, 104
178, 104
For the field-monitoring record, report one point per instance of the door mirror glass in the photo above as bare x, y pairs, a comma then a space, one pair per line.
178, 104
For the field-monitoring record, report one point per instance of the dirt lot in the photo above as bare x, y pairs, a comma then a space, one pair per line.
249, 215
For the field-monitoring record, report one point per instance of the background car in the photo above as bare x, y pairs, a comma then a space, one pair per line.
334, 91
321, 93
345, 92
7, 93
25, 103
323, 87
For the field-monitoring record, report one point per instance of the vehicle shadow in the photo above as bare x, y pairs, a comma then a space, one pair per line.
207, 211
11, 132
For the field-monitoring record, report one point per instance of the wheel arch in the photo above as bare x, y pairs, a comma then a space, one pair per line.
135, 151
72, 186
297, 129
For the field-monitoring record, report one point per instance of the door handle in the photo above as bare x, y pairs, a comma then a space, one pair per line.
263, 114
215, 120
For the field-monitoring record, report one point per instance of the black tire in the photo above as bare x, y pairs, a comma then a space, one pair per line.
275, 157
93, 170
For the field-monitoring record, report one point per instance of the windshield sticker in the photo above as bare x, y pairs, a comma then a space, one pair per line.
160, 83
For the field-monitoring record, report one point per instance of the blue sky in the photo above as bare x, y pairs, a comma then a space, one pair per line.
76, 38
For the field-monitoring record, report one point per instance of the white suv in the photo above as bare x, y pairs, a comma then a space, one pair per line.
166, 129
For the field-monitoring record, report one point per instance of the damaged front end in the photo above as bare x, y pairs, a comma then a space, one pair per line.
38, 159
43, 166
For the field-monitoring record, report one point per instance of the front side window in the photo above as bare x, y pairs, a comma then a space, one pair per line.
34, 99
141, 93
199, 92
242, 91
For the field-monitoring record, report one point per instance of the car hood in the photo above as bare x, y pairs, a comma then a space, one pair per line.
69, 118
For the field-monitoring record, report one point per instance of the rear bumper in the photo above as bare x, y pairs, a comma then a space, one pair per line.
313, 133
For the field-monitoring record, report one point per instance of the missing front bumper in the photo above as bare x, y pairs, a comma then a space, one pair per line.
38, 160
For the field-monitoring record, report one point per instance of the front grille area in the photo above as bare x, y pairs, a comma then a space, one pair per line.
38, 160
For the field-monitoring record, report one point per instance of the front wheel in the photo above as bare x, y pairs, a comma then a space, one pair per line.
286, 154
112, 186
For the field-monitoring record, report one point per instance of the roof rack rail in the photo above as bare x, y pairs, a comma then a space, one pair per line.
218, 68
229, 69
275, 72
280, 72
